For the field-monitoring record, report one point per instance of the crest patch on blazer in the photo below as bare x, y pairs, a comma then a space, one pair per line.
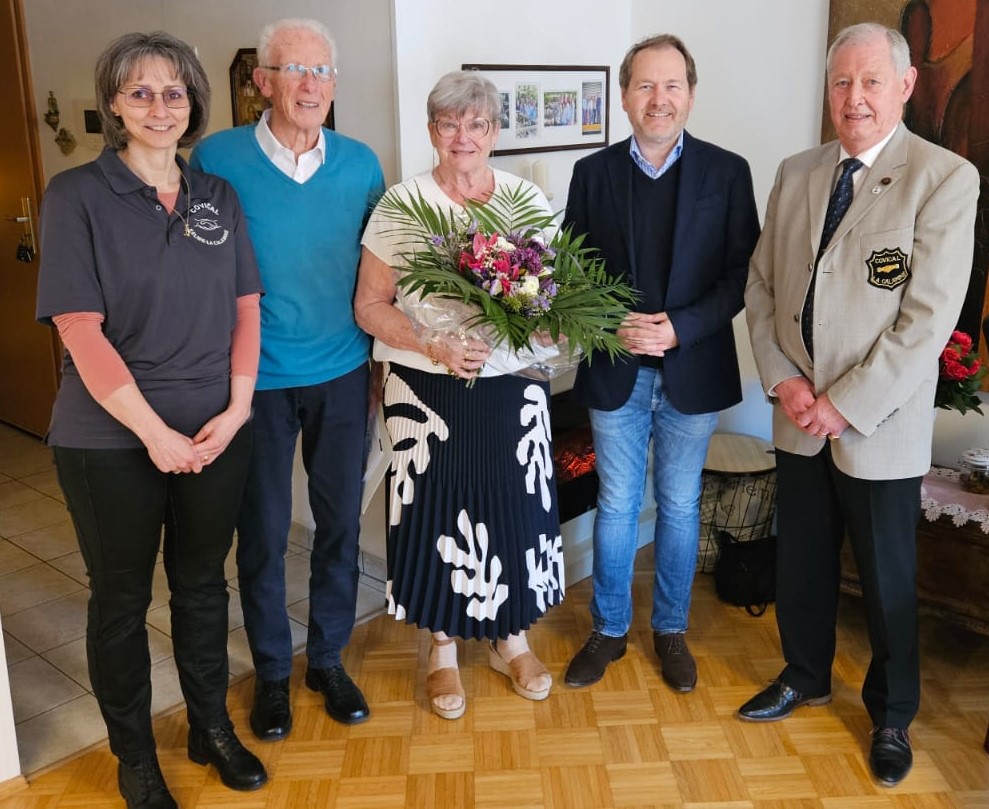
888, 268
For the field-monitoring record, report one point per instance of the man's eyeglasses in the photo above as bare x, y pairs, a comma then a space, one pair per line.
296, 72
173, 97
475, 128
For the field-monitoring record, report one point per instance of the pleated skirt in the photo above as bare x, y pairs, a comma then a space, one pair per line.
474, 547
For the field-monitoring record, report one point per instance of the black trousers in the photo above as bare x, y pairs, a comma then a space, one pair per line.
119, 502
817, 505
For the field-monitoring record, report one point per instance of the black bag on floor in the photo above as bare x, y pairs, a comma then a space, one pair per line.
745, 572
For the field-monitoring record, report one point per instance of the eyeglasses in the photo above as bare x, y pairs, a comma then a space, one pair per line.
296, 72
173, 97
475, 128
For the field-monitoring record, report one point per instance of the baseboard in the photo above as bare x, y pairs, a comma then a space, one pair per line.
12, 786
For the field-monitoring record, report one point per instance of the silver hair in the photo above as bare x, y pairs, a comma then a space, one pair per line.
865, 32
464, 90
291, 24
123, 57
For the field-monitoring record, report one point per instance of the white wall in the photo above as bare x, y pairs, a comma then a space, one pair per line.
66, 36
519, 32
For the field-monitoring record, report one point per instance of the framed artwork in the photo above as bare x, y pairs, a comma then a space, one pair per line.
549, 108
949, 46
246, 101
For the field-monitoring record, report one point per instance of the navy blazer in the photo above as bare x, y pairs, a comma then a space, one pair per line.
715, 231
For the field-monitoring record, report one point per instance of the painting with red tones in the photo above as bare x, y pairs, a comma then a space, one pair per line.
949, 46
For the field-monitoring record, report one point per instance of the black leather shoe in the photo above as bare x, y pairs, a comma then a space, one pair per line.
143, 786
344, 701
890, 758
237, 766
589, 664
678, 664
777, 702
271, 717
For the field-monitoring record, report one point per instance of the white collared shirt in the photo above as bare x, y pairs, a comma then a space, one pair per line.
868, 157
284, 158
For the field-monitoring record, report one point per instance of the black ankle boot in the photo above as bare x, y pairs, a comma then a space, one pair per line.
142, 785
237, 766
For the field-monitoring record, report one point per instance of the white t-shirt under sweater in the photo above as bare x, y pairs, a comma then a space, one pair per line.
380, 239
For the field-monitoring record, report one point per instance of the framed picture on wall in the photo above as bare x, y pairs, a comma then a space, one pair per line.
549, 108
246, 101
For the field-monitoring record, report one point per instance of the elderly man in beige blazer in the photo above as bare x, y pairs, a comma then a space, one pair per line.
853, 290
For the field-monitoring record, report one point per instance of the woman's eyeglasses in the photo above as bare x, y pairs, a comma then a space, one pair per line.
475, 128
172, 97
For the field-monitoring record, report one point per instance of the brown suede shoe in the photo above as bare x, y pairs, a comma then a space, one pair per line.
679, 668
589, 664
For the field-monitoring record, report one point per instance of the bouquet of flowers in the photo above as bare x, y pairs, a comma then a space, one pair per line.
960, 374
493, 273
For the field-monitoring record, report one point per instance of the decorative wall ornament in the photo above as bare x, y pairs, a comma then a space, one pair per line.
52, 116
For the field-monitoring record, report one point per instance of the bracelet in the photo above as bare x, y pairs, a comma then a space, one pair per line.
430, 354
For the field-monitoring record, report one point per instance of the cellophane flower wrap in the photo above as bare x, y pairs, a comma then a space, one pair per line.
960, 375
503, 272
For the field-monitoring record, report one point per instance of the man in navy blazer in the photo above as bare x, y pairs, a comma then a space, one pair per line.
675, 217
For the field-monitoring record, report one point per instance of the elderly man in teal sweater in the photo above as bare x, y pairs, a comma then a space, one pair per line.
306, 192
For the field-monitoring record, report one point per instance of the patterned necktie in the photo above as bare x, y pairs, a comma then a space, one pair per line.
841, 198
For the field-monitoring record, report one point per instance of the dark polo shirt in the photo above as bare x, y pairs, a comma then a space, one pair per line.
168, 299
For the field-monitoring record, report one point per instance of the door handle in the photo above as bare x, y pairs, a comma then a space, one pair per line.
27, 220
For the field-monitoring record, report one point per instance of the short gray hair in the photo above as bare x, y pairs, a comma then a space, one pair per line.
865, 32
464, 90
124, 56
292, 24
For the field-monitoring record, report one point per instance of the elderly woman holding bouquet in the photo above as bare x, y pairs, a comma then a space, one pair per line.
474, 547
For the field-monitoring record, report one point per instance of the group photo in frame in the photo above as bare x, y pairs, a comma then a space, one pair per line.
246, 101
549, 108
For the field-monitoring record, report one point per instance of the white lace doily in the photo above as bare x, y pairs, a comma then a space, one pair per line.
941, 495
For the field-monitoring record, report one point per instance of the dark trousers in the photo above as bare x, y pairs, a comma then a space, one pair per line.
817, 504
119, 502
332, 417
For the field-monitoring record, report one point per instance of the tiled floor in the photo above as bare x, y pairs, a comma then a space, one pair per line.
43, 594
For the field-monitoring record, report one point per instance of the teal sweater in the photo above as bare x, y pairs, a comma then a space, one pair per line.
307, 241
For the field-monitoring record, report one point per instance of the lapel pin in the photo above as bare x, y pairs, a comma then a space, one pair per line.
884, 181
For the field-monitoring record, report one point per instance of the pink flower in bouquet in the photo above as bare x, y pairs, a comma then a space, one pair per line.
510, 268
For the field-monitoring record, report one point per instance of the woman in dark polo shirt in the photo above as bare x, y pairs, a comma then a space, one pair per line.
149, 276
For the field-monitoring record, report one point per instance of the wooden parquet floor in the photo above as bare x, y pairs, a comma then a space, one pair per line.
628, 741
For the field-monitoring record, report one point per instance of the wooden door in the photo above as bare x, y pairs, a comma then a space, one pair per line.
28, 352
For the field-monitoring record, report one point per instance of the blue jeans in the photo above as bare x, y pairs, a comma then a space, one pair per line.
621, 444
332, 417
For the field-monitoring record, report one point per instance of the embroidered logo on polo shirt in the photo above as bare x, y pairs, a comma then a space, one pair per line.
888, 268
200, 222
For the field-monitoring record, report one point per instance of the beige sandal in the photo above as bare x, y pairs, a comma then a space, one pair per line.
445, 682
522, 670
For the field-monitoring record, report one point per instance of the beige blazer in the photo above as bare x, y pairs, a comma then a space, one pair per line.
889, 290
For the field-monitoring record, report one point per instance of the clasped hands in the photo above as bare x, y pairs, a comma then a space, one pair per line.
647, 333
813, 414
171, 451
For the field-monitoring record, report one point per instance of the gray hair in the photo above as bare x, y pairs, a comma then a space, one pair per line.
657, 42
865, 32
464, 90
124, 57
292, 24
